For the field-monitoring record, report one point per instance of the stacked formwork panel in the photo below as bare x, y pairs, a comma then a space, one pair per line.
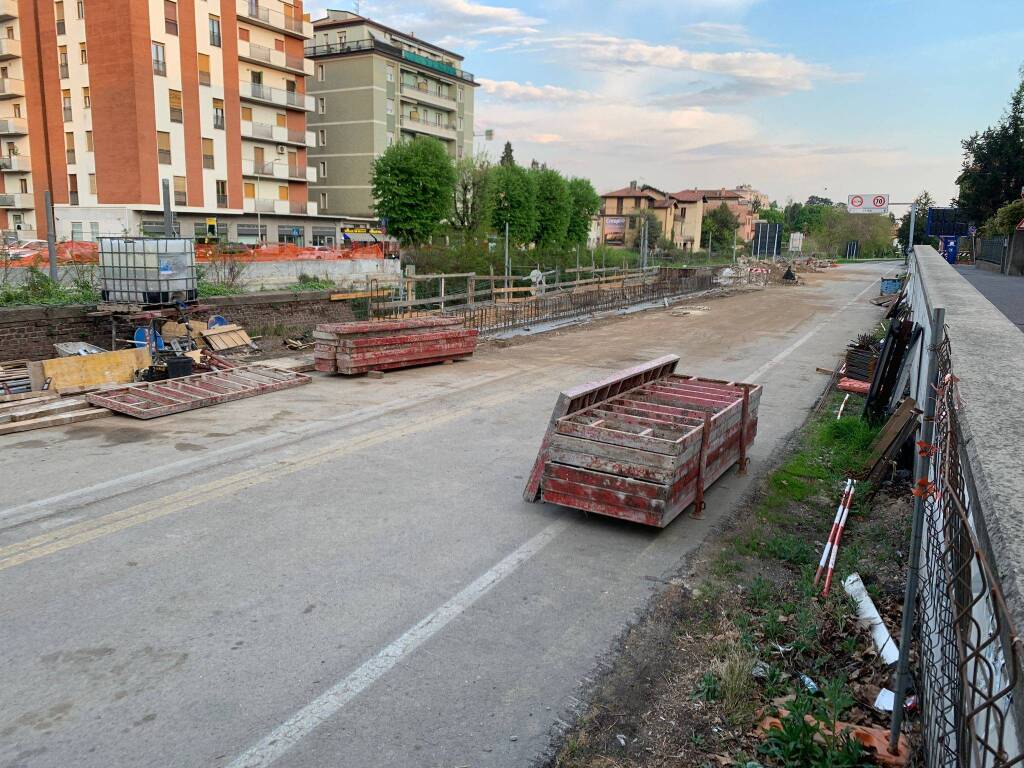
645, 443
378, 345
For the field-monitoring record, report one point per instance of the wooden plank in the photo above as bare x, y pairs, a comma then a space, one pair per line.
46, 409
617, 453
92, 370
618, 437
73, 417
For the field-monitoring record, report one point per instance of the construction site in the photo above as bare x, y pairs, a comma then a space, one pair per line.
605, 517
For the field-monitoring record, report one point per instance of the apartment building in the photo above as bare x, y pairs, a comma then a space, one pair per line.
736, 201
374, 86
679, 215
102, 100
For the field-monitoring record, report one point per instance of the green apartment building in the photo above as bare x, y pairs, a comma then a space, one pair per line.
373, 86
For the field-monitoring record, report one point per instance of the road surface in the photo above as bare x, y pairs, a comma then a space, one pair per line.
345, 574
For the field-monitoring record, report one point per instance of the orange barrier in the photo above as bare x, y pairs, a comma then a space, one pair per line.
68, 252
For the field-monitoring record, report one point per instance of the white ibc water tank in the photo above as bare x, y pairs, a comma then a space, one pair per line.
145, 270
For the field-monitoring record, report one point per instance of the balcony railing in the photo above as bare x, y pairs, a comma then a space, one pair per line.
177, 116
67, 114
437, 66
252, 10
64, 72
10, 48
222, 201
16, 200
180, 198
253, 168
163, 156
8, 10
159, 67
279, 96
13, 126
208, 161
73, 197
356, 46
426, 90
446, 130
15, 163
204, 78
258, 52
218, 121
262, 131
298, 207
258, 205
11, 88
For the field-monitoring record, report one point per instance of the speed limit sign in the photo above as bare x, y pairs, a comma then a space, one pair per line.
867, 204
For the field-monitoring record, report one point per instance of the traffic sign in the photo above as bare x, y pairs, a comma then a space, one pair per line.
867, 204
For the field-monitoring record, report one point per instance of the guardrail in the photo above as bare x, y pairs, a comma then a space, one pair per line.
970, 598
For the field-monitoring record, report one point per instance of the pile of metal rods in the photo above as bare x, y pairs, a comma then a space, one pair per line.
827, 564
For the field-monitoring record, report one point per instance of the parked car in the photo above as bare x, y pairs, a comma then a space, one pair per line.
25, 249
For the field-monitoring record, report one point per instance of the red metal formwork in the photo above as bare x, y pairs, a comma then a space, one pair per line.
644, 443
162, 398
377, 345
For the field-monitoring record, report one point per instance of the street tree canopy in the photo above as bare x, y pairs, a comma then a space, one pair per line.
553, 208
584, 204
720, 223
413, 186
515, 203
474, 195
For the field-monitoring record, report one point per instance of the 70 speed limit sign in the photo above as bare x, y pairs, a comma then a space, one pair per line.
867, 204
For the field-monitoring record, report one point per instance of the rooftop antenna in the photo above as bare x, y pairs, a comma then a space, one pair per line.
358, 4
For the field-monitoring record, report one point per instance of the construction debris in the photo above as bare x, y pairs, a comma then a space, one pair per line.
14, 377
359, 347
898, 429
78, 373
862, 358
152, 399
644, 443
45, 410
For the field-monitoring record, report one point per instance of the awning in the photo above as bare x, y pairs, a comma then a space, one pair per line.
359, 237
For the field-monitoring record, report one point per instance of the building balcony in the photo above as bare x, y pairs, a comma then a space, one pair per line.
420, 125
279, 97
277, 134
265, 170
363, 46
260, 205
271, 57
16, 200
424, 94
302, 173
15, 164
13, 126
302, 208
8, 10
437, 66
11, 88
9, 48
256, 13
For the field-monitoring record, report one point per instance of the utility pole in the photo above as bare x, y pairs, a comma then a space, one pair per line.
913, 224
734, 246
168, 213
256, 201
508, 264
51, 237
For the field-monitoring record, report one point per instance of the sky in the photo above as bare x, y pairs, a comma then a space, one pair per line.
795, 97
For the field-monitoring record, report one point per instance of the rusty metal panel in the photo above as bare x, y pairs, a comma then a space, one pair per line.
644, 444
353, 348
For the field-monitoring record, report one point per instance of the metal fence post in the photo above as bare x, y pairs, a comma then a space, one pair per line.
51, 235
921, 468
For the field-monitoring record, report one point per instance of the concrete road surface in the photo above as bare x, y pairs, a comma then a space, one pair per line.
345, 574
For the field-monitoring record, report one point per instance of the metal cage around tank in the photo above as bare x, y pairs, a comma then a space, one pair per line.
147, 270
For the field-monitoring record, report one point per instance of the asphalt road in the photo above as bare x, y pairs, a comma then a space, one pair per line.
1005, 291
345, 574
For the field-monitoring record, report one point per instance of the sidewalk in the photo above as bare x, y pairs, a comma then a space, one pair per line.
1006, 292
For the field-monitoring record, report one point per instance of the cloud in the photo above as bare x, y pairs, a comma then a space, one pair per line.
715, 32
511, 91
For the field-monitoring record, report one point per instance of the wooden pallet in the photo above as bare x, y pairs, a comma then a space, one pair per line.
223, 337
162, 398
48, 410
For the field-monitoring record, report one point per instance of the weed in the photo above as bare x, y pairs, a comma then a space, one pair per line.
707, 688
789, 549
807, 735
762, 591
736, 687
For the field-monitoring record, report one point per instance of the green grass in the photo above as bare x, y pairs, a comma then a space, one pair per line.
312, 283
39, 289
208, 289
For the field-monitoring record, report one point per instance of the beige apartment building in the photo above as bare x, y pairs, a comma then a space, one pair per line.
102, 100
680, 215
373, 86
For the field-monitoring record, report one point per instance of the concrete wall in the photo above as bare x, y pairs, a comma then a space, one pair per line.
31, 332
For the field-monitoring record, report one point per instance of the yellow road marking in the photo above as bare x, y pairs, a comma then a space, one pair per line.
113, 522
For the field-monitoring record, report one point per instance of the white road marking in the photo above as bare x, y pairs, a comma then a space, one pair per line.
302, 723
279, 741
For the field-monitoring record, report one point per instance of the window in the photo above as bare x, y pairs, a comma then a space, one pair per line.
390, 104
341, 37
320, 75
246, 114
92, 183
81, 9
322, 172
170, 17
279, 44
17, 110
461, 93
282, 192
222, 194
321, 106
204, 69
94, 230
323, 200
218, 113
88, 142
77, 231
390, 73
73, 189
180, 191
208, 153
391, 138
163, 148
159, 59
243, 34
282, 120
249, 190
86, 98
69, 147
174, 98
58, 14
82, 53
62, 55
321, 138
215, 31
23, 185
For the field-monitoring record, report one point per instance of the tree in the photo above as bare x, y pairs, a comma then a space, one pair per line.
507, 159
515, 203
993, 164
553, 207
924, 202
653, 230
474, 195
413, 186
584, 203
720, 223
1005, 221
815, 200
